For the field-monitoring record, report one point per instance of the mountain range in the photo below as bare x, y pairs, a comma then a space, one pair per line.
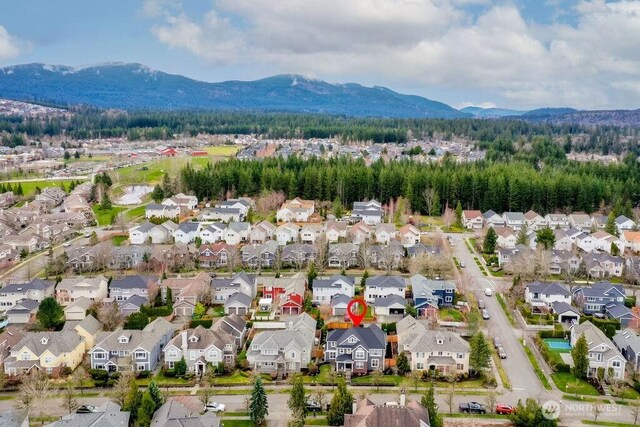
137, 87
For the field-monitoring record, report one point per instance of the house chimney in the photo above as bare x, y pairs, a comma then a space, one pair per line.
354, 407
403, 398
184, 341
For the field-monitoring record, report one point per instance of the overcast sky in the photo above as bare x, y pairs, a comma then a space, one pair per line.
517, 54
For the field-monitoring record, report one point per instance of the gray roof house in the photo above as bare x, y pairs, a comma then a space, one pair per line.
238, 303
390, 305
324, 289
567, 313
22, 312
131, 350
234, 326
492, 219
602, 297
339, 303
199, 347
36, 290
107, 415
223, 288
121, 288
429, 293
131, 305
628, 342
284, 351
356, 349
380, 286
174, 414
368, 414
602, 352
429, 349
545, 294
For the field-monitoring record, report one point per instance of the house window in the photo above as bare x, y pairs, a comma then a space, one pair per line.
359, 365
173, 353
293, 355
460, 356
213, 354
24, 356
100, 356
419, 365
192, 355
459, 366
420, 355
140, 354
615, 363
48, 359
359, 354
375, 363
448, 299
171, 364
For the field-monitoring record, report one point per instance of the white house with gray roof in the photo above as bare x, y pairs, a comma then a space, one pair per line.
122, 288
628, 342
324, 289
428, 349
36, 290
602, 352
381, 286
155, 210
339, 303
223, 288
212, 233
514, 220
284, 351
390, 305
234, 326
358, 350
368, 212
187, 232
131, 350
236, 233
238, 303
72, 288
199, 347
545, 294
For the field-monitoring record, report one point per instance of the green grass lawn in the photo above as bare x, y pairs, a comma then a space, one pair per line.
607, 423
450, 315
118, 240
156, 169
534, 363
218, 311
385, 380
567, 382
29, 187
104, 216
135, 212
222, 150
507, 313
238, 423
314, 421
161, 380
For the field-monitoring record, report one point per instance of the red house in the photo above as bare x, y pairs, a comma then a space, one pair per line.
199, 153
291, 303
287, 293
169, 152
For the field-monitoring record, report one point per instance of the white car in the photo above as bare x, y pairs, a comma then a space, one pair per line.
214, 407
488, 292
66, 244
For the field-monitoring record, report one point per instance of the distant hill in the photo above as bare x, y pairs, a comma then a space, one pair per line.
135, 86
491, 112
621, 118
548, 112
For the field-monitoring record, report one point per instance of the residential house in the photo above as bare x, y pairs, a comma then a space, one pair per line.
258, 256
385, 233
390, 305
381, 286
199, 347
287, 233
182, 201
599, 297
566, 313
36, 290
472, 220
602, 352
46, 351
563, 261
215, 255
175, 414
422, 249
88, 329
309, 233
71, 288
409, 235
506, 237
339, 303
232, 325
360, 233
108, 414
358, 350
367, 414
224, 214
298, 254
185, 292
385, 257
131, 350
296, 210
122, 288
540, 294
237, 233
492, 219
343, 255
283, 351
630, 240
131, 305
156, 210
429, 293
368, 212
77, 310
212, 233
586, 242
432, 350
581, 221
223, 288
627, 341
558, 221
624, 224
187, 232
603, 265
8, 339
604, 240
151, 233
623, 314
7, 199
535, 221
599, 220
262, 232
22, 312
514, 220
335, 230
238, 303
75, 203
324, 289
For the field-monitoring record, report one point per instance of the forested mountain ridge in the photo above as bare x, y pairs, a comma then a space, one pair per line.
137, 87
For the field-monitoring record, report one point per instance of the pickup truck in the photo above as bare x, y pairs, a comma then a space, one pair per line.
472, 408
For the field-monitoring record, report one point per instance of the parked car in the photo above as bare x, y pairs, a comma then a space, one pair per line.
66, 244
504, 409
313, 406
86, 409
502, 353
485, 314
488, 292
462, 264
497, 343
214, 407
481, 304
472, 408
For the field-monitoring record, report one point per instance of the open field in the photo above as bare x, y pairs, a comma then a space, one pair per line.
104, 216
222, 150
29, 187
153, 172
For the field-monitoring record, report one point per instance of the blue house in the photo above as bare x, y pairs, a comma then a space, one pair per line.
430, 293
596, 298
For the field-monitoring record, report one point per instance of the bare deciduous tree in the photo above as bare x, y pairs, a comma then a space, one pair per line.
448, 217
429, 195
322, 252
269, 202
109, 315
491, 399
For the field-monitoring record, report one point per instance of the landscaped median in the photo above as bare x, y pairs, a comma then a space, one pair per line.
536, 367
507, 313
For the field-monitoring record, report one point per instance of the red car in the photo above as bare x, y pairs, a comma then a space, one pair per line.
504, 409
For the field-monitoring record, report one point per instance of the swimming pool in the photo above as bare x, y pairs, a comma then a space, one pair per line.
558, 344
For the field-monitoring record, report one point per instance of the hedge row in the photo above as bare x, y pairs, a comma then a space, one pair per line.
205, 323
553, 359
608, 326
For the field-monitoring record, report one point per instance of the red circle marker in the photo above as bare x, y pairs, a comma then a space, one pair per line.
356, 318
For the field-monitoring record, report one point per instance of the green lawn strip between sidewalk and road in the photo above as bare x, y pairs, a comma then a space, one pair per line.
507, 313
536, 367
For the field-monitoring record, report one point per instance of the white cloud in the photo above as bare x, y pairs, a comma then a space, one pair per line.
591, 64
8, 45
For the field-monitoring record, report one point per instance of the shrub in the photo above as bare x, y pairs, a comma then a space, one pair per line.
205, 323
99, 374
389, 327
560, 334
111, 383
169, 373
609, 327
144, 374
562, 367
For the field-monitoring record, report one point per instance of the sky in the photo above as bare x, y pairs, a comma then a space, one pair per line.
520, 54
